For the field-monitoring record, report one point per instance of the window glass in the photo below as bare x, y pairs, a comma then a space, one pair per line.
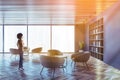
11, 38
39, 36
63, 38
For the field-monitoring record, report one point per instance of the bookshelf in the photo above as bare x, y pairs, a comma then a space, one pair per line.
96, 39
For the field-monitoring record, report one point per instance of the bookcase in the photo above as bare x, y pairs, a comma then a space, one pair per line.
96, 39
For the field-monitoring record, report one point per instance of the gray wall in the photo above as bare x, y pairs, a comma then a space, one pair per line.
111, 35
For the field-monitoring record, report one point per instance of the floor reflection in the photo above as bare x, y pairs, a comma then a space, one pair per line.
97, 70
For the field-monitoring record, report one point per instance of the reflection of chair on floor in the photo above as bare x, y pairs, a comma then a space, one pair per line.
52, 62
82, 58
14, 51
54, 52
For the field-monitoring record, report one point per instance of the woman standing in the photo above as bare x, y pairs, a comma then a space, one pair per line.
20, 48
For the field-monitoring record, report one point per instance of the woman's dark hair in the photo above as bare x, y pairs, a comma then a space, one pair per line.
19, 35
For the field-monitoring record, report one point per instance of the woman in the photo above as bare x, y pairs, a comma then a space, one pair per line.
20, 48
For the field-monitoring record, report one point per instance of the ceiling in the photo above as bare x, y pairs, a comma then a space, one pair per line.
51, 11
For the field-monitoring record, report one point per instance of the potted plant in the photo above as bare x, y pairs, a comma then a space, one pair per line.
81, 46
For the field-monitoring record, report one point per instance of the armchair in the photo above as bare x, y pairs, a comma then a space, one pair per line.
26, 50
53, 52
14, 51
82, 58
52, 62
37, 50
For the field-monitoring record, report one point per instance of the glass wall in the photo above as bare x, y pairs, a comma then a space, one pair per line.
39, 36
55, 37
1, 38
63, 38
10, 38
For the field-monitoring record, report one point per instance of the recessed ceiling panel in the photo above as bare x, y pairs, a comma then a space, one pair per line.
51, 11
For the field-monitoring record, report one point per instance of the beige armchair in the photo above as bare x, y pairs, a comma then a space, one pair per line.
82, 58
53, 52
14, 51
52, 62
26, 50
37, 50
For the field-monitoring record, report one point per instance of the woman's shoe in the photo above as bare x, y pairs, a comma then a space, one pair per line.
21, 69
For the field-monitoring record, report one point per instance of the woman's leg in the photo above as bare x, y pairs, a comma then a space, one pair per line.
21, 60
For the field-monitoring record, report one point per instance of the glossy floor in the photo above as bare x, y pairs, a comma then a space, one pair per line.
97, 70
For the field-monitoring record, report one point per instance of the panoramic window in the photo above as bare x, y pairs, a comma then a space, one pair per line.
39, 36
63, 38
10, 32
58, 37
